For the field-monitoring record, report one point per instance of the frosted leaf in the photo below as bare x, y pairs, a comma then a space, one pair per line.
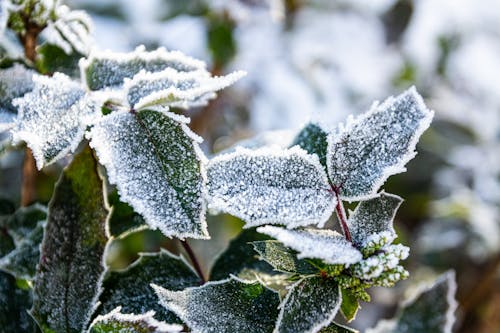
14, 305
225, 306
327, 245
270, 186
372, 217
123, 219
376, 145
172, 88
14, 82
430, 310
71, 266
23, 221
51, 118
239, 256
310, 305
337, 328
130, 288
115, 321
156, 164
313, 139
282, 258
109, 69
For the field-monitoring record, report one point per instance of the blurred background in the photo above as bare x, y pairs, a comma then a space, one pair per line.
321, 61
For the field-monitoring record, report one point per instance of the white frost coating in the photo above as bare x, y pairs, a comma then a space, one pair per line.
376, 145
109, 69
14, 82
326, 245
157, 167
52, 117
173, 88
145, 321
270, 186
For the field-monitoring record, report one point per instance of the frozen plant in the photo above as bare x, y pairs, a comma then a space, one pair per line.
120, 113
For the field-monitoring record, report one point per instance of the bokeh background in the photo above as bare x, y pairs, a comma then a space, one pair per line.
321, 61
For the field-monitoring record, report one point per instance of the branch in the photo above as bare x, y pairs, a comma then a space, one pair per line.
194, 260
339, 209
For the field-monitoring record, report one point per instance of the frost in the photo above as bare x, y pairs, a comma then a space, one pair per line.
225, 306
71, 266
430, 310
130, 288
109, 69
376, 145
313, 139
52, 117
172, 88
337, 328
279, 138
372, 217
270, 186
156, 164
373, 266
327, 245
311, 304
115, 321
282, 258
14, 82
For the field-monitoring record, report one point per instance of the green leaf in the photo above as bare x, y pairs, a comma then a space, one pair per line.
310, 305
313, 139
14, 305
282, 258
122, 219
109, 69
51, 59
240, 256
156, 164
131, 323
225, 306
372, 217
130, 288
349, 306
23, 221
337, 328
71, 267
377, 144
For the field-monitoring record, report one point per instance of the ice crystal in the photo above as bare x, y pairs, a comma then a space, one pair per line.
115, 321
71, 267
52, 117
310, 305
225, 306
372, 217
327, 245
270, 186
156, 164
14, 82
373, 266
109, 69
376, 145
172, 88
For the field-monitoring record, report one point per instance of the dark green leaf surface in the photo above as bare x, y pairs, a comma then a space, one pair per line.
313, 139
349, 306
131, 289
282, 258
123, 218
71, 265
52, 58
115, 321
310, 305
225, 306
337, 328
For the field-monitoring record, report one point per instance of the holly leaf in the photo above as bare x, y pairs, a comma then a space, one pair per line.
376, 145
109, 69
156, 164
123, 219
15, 81
130, 288
337, 328
51, 58
313, 139
349, 306
282, 258
177, 89
239, 256
14, 305
23, 221
225, 306
310, 305
327, 245
52, 117
430, 310
373, 217
115, 321
270, 186
69, 275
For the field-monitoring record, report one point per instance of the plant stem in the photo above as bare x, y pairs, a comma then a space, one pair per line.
194, 260
339, 209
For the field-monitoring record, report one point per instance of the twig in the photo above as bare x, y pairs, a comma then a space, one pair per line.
194, 260
342, 215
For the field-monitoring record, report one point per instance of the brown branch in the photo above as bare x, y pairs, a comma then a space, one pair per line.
342, 215
194, 260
